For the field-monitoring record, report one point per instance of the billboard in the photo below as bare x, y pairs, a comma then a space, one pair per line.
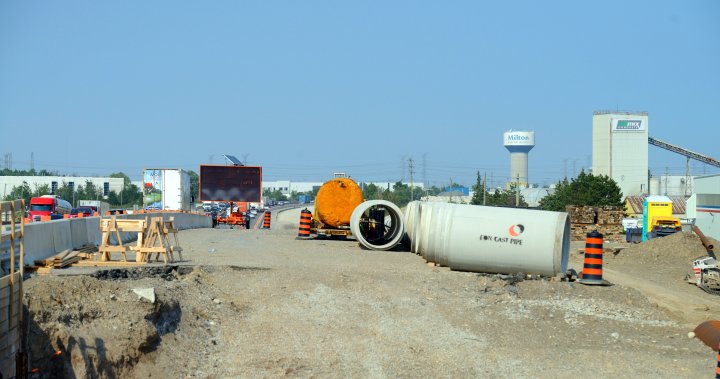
231, 183
627, 125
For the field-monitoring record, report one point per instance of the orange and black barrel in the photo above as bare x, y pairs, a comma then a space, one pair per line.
305, 223
266, 221
592, 267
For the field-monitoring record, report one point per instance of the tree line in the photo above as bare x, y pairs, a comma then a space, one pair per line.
585, 189
130, 194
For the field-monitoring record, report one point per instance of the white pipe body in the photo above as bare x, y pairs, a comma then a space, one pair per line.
492, 239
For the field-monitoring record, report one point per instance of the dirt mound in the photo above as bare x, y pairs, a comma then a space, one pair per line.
685, 246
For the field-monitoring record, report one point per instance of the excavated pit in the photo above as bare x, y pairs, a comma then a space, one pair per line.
98, 326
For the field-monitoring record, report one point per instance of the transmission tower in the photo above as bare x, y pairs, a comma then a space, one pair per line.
412, 171
424, 171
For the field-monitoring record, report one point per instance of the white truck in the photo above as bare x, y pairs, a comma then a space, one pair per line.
98, 206
166, 189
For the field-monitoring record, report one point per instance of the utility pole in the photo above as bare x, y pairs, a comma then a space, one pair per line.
411, 167
517, 191
485, 189
451, 185
32, 161
666, 181
565, 167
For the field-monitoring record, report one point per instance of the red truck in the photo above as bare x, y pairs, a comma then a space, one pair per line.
48, 205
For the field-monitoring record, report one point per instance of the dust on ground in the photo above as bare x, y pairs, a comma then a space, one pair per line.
258, 303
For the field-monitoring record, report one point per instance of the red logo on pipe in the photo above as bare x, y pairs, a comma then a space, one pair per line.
516, 230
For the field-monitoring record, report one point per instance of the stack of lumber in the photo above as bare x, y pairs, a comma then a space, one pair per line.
606, 219
610, 215
64, 258
581, 214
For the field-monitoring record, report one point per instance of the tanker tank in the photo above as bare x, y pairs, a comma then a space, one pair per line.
335, 202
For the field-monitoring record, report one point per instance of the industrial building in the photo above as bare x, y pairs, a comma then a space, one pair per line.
54, 182
519, 144
620, 149
704, 205
287, 186
634, 206
671, 185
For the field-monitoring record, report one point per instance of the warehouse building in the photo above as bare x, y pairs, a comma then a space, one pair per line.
105, 184
704, 205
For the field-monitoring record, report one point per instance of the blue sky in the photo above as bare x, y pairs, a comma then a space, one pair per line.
309, 88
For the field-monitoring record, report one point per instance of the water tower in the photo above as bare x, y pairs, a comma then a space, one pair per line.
519, 144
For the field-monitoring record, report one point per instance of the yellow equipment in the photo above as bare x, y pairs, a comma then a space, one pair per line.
662, 226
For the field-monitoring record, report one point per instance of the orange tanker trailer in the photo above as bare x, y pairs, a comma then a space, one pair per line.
334, 204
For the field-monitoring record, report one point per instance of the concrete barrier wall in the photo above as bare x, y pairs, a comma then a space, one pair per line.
44, 239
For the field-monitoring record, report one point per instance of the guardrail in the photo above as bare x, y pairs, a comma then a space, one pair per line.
44, 239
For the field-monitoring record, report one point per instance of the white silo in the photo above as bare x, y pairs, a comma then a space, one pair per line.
519, 144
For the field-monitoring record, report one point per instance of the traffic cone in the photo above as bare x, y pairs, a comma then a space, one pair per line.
305, 222
266, 221
592, 267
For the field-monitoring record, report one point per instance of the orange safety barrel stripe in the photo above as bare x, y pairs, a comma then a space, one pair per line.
592, 271
593, 261
593, 240
593, 251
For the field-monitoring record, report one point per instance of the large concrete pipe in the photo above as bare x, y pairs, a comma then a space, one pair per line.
411, 212
430, 229
377, 224
413, 226
492, 239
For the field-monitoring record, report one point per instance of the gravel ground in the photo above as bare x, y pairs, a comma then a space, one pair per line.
259, 303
